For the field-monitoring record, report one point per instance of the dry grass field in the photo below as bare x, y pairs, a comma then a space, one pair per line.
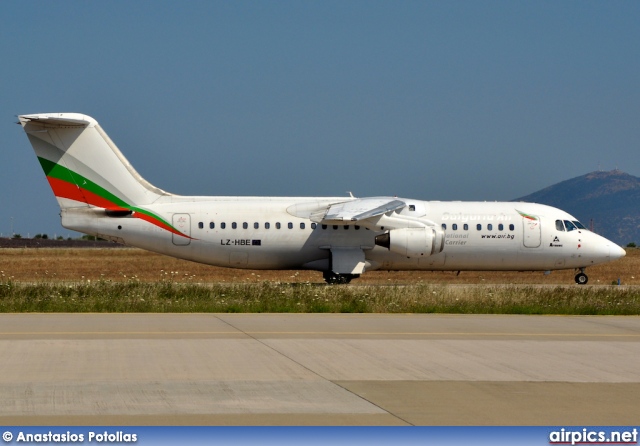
132, 280
124, 264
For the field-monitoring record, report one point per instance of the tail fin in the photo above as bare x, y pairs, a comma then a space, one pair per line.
83, 166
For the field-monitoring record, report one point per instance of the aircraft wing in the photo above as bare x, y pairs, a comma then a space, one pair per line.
359, 209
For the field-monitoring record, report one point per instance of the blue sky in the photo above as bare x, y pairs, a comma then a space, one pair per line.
438, 100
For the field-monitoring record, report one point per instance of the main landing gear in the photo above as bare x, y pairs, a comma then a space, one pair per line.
581, 277
334, 279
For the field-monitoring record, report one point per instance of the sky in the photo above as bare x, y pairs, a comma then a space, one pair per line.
433, 100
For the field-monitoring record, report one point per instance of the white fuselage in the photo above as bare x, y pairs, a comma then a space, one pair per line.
278, 233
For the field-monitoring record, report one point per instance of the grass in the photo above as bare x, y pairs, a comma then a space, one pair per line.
57, 264
268, 297
132, 280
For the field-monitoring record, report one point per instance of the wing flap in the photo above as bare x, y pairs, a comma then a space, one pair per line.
360, 209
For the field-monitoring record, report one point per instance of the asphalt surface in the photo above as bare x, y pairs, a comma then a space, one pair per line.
310, 369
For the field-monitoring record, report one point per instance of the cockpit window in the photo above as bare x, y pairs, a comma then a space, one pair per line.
578, 224
559, 225
570, 226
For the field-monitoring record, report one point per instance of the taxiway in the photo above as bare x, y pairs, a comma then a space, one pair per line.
315, 369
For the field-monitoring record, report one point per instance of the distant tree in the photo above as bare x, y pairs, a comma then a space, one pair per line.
93, 238
45, 236
17, 236
631, 245
37, 236
60, 237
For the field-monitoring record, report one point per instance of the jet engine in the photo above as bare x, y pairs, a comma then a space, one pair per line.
413, 242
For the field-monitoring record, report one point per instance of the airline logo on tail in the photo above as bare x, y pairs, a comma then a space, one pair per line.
68, 184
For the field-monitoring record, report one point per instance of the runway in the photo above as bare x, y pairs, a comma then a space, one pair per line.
317, 369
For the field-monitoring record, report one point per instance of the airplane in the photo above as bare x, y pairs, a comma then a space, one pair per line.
101, 194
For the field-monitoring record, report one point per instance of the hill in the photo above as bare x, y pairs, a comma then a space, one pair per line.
607, 201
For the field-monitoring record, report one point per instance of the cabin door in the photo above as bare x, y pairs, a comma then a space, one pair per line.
531, 233
182, 222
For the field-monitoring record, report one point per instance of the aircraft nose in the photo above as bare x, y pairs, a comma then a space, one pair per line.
616, 252
598, 249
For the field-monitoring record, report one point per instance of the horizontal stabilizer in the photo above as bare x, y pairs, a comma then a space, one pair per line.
58, 120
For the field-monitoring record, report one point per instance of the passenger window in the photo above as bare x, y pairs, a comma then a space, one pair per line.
570, 226
256, 225
212, 225
559, 225
454, 226
324, 226
511, 227
479, 227
223, 225
335, 227
290, 225
278, 225
245, 225
201, 225
444, 226
490, 227
234, 225
465, 227
356, 227
267, 225
500, 227
346, 226
313, 225
301, 225
412, 207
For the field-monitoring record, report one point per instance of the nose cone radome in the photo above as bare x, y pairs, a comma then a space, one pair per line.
598, 249
616, 252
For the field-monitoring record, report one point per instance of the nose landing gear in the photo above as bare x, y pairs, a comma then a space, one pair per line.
581, 277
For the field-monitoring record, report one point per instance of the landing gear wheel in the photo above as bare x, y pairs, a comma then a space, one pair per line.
338, 279
581, 279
